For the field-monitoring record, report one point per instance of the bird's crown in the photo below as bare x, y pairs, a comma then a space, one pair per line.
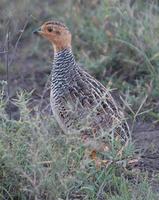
57, 33
56, 23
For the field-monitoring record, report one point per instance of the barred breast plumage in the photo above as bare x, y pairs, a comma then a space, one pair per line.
79, 102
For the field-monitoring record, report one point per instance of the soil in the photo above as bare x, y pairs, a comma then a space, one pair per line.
146, 138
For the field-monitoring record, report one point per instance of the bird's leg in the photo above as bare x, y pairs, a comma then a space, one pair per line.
98, 161
120, 153
101, 147
93, 156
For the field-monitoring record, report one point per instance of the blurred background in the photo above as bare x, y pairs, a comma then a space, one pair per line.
117, 41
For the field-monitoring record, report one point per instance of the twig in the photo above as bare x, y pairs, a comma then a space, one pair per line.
138, 111
7, 67
10, 61
46, 162
44, 91
18, 40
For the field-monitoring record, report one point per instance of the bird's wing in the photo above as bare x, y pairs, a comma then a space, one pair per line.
94, 100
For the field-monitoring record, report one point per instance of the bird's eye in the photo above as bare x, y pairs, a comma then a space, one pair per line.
49, 29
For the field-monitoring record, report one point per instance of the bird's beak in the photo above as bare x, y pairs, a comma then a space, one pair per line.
37, 31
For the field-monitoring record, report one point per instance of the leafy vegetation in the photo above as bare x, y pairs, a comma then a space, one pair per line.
38, 162
117, 42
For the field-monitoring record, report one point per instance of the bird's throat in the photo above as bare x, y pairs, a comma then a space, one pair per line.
60, 46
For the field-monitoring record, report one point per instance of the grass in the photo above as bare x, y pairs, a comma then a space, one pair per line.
117, 42
38, 162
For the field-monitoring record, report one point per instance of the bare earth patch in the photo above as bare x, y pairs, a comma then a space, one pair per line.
146, 139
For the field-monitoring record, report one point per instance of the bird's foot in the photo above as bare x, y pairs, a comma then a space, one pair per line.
99, 162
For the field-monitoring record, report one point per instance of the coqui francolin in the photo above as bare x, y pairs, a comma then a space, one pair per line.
80, 103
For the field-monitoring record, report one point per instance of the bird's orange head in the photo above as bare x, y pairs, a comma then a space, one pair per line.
57, 33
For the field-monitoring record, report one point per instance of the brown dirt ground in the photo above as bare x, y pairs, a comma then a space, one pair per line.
146, 138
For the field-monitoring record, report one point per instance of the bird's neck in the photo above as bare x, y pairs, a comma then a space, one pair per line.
63, 60
60, 46
63, 71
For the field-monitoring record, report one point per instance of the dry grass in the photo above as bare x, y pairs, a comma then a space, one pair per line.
118, 43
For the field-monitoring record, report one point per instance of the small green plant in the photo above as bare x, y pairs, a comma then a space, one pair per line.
38, 162
117, 41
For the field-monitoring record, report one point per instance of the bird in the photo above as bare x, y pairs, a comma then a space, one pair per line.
80, 103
